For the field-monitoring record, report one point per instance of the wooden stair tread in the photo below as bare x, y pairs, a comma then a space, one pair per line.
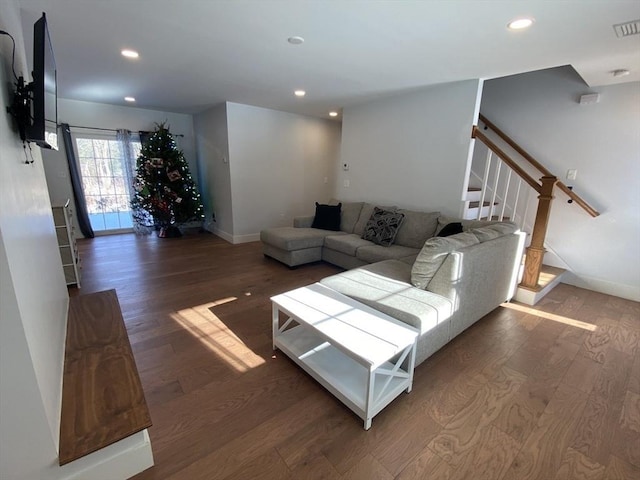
102, 397
476, 204
548, 274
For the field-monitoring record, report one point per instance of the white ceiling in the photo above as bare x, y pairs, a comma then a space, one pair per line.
197, 53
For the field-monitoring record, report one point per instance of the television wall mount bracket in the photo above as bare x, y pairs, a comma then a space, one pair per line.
20, 109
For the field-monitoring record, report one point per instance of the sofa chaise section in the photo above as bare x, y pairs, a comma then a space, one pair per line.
471, 281
385, 286
294, 246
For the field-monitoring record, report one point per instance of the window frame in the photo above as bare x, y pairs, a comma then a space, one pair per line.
94, 135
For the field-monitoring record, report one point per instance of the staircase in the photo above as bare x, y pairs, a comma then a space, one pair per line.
549, 276
506, 175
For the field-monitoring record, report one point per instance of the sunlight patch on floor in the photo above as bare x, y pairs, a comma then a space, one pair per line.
551, 316
212, 332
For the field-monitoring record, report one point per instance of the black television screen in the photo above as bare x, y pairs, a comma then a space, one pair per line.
44, 105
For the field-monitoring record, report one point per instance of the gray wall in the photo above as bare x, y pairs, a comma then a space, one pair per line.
213, 163
410, 150
278, 165
540, 111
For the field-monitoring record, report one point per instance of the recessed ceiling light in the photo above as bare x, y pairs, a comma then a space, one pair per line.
130, 99
621, 72
333, 114
295, 40
520, 23
300, 93
129, 53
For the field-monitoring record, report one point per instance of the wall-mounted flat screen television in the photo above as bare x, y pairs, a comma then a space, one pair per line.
35, 104
44, 104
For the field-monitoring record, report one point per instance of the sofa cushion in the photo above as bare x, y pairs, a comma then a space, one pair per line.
327, 217
494, 231
350, 215
385, 286
434, 253
485, 233
416, 228
291, 238
304, 221
365, 215
377, 253
345, 243
382, 226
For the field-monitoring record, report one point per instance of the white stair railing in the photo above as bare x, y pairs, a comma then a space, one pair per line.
508, 197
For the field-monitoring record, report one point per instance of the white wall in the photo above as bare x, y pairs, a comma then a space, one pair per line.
410, 150
278, 166
540, 111
212, 145
34, 298
99, 115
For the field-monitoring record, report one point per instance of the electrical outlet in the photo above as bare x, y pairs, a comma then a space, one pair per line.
347, 184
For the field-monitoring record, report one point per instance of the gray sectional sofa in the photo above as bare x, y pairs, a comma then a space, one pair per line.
439, 285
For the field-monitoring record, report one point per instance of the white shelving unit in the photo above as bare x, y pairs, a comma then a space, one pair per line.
65, 233
363, 357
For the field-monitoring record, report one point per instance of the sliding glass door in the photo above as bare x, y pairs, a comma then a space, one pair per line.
104, 178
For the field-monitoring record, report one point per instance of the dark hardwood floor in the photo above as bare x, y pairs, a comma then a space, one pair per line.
550, 393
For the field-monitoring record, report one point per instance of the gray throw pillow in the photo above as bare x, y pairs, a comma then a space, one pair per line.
382, 226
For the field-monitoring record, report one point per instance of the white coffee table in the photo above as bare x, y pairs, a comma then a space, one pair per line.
363, 357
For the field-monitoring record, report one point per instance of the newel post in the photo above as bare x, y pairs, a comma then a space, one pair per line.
535, 251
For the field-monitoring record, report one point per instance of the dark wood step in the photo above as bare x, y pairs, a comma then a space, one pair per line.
102, 397
477, 204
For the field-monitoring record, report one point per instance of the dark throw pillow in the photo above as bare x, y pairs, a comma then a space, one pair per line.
327, 217
382, 226
450, 229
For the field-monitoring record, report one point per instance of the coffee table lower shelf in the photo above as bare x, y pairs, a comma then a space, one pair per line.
351, 382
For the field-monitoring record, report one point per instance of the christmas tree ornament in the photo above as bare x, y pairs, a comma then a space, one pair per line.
174, 175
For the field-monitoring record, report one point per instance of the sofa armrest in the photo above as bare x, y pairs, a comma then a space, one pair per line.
303, 222
477, 279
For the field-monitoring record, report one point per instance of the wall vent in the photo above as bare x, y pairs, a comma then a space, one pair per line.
628, 28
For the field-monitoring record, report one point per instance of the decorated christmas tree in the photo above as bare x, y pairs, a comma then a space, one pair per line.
165, 194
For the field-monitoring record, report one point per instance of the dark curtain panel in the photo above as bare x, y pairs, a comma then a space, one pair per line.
144, 136
76, 182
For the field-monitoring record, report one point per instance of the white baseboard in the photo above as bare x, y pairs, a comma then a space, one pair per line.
252, 237
236, 239
629, 292
222, 234
120, 460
